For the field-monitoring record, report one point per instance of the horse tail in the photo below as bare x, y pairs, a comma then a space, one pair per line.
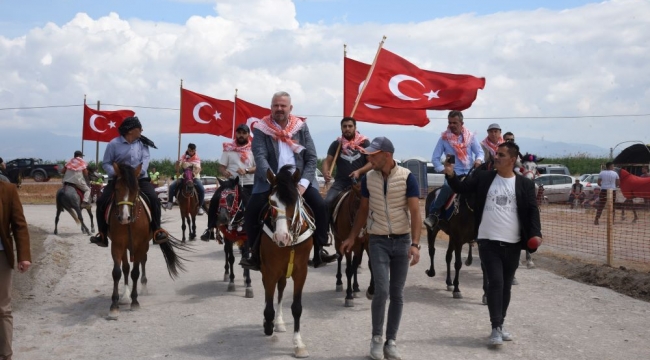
174, 261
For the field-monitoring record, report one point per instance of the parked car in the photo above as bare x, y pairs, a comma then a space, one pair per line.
18, 169
589, 183
553, 169
557, 187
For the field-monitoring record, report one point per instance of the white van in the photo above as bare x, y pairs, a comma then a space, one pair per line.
434, 179
553, 169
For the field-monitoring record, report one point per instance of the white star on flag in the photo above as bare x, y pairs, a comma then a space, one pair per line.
432, 94
217, 115
111, 124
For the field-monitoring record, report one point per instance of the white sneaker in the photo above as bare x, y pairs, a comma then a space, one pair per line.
376, 348
201, 212
390, 351
505, 335
496, 339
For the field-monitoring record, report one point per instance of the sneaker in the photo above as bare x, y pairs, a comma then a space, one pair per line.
496, 338
201, 212
431, 221
377, 348
505, 335
390, 351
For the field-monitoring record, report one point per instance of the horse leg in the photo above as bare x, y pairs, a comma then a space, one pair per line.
269, 312
279, 317
450, 249
529, 260
470, 258
193, 228
231, 262
92, 221
115, 307
183, 227
84, 228
143, 280
126, 294
371, 287
56, 219
226, 267
356, 261
458, 264
349, 272
299, 348
135, 274
339, 283
431, 241
635, 216
247, 281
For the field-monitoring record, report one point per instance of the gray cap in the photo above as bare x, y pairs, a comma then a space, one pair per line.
494, 126
379, 144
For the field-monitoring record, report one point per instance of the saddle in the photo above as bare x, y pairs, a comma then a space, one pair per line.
79, 192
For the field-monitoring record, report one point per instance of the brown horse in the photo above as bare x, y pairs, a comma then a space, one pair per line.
230, 222
633, 186
342, 221
188, 202
130, 232
285, 250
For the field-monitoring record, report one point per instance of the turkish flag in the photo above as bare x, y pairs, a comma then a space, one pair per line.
249, 113
202, 114
397, 83
354, 74
102, 125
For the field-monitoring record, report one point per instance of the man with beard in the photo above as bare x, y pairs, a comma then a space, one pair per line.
236, 161
462, 144
283, 139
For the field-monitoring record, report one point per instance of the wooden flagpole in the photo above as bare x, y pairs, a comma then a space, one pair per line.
180, 122
82, 125
372, 67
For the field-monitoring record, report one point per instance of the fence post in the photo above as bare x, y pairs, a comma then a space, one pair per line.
610, 224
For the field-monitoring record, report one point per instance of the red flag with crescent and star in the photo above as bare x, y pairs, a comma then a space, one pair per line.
102, 125
201, 114
249, 113
396, 83
354, 74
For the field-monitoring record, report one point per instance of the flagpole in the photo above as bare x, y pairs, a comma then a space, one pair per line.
96, 146
234, 115
372, 67
180, 121
82, 126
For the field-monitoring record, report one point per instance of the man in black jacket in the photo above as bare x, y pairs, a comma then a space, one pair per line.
507, 216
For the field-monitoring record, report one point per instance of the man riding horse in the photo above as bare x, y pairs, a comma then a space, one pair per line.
190, 158
75, 173
131, 148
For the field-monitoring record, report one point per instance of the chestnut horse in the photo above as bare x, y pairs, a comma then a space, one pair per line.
188, 202
130, 232
343, 219
286, 243
633, 186
230, 222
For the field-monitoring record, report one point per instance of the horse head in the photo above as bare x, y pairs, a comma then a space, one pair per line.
231, 202
286, 205
529, 163
126, 192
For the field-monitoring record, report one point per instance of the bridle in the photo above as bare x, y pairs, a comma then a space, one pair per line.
301, 219
233, 207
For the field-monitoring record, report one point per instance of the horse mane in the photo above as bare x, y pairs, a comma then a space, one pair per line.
285, 185
127, 174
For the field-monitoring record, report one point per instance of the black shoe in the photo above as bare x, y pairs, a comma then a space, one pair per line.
208, 235
432, 220
323, 257
250, 263
99, 240
160, 236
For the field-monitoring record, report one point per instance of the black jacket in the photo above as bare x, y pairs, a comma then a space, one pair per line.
527, 211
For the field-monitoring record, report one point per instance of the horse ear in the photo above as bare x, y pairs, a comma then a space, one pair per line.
138, 169
116, 168
296, 175
270, 176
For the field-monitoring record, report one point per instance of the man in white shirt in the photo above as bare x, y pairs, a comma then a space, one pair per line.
607, 180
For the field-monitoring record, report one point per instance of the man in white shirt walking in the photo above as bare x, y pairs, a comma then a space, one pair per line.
607, 180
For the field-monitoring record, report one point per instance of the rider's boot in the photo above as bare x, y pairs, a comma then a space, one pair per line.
432, 220
208, 234
251, 258
100, 239
322, 257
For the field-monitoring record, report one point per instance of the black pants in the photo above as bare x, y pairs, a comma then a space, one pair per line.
501, 261
602, 200
253, 221
214, 205
145, 187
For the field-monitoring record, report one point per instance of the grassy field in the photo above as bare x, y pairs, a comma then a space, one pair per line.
33, 193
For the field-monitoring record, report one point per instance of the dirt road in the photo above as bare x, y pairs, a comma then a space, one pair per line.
61, 308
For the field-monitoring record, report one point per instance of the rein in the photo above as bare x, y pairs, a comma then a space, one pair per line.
300, 217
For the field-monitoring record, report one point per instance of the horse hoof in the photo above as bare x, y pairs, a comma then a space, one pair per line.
249, 293
356, 295
349, 302
484, 300
280, 328
458, 295
468, 262
430, 273
530, 265
301, 352
56, 232
231, 287
339, 288
226, 277
515, 281
450, 287
113, 314
135, 307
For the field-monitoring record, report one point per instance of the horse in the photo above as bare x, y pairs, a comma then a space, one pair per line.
633, 186
342, 220
460, 228
286, 243
230, 222
129, 231
188, 202
68, 198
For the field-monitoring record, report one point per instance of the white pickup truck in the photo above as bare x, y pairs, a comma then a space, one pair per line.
434, 179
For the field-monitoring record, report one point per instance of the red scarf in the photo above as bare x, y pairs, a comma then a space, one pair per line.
492, 146
243, 150
459, 147
272, 129
76, 164
349, 145
194, 159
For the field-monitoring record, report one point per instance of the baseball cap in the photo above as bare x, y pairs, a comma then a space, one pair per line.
494, 126
243, 127
379, 144
78, 154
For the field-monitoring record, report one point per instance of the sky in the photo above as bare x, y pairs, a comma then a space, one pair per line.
567, 71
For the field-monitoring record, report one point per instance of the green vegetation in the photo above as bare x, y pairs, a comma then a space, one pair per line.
579, 163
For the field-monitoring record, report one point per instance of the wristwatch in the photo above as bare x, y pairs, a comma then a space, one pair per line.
416, 245
246, 170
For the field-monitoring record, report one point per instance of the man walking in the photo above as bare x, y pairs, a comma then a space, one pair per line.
607, 180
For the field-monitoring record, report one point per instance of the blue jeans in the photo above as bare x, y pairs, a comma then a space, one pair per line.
200, 191
389, 258
443, 196
501, 262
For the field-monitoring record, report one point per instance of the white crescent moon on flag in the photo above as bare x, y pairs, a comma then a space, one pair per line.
92, 123
374, 107
250, 122
393, 86
196, 110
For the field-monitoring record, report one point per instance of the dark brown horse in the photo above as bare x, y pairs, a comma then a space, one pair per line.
286, 242
342, 221
460, 228
130, 232
188, 202
230, 222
